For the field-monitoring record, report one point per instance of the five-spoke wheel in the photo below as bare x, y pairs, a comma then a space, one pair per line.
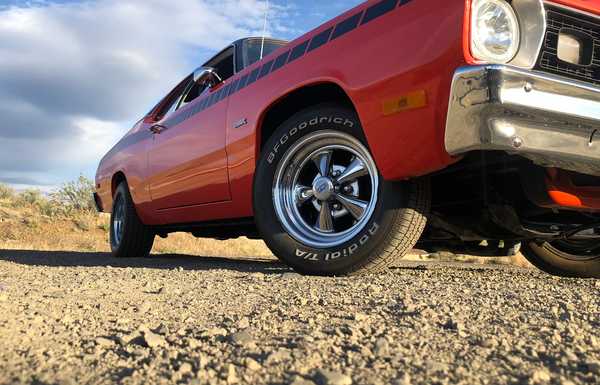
326, 189
321, 204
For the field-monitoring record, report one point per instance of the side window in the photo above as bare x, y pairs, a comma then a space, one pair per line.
252, 48
172, 100
223, 63
193, 91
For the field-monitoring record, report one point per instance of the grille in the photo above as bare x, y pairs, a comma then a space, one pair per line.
561, 19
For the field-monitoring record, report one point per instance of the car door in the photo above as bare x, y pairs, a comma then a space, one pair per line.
187, 162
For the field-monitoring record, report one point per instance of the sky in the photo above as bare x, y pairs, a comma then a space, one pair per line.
76, 75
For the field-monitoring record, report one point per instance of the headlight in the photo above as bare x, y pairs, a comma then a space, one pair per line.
494, 31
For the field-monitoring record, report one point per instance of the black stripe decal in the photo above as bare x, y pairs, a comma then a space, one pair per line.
266, 69
253, 76
320, 39
298, 51
378, 10
280, 61
243, 82
343, 27
233, 87
346, 26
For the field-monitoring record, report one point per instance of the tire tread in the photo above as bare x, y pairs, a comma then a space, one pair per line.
138, 238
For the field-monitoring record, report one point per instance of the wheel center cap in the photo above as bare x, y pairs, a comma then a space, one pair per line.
323, 188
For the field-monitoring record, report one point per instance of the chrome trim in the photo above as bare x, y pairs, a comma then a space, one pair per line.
310, 185
207, 76
546, 118
532, 24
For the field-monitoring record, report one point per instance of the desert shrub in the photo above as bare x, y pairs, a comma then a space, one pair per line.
75, 197
31, 197
104, 226
6, 192
82, 224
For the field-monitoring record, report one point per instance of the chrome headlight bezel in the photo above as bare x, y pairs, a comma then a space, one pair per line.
508, 46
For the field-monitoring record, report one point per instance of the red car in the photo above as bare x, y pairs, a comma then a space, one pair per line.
468, 126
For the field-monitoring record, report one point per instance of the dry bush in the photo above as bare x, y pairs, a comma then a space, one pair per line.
6, 192
75, 197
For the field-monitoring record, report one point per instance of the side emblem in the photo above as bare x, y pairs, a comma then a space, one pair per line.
240, 123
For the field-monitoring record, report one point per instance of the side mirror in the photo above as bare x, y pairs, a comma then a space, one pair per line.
207, 76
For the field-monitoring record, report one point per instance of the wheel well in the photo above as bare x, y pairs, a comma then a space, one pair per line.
298, 100
116, 181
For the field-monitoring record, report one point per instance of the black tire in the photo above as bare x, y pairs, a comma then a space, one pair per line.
561, 259
395, 225
135, 239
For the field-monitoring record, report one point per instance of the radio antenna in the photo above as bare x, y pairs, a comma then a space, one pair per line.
262, 45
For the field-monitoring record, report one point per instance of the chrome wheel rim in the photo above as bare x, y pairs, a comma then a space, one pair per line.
118, 220
325, 189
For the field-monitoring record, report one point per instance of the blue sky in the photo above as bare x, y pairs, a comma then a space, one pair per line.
75, 75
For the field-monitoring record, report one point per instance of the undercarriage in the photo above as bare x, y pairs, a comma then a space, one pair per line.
490, 202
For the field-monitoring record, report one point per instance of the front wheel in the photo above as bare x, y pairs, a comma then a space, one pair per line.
321, 204
567, 258
129, 237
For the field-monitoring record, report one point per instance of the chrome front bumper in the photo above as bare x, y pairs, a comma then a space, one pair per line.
554, 122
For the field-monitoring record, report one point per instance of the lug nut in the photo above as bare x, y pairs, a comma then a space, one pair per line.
517, 142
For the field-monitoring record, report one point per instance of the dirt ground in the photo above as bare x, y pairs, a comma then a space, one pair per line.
84, 318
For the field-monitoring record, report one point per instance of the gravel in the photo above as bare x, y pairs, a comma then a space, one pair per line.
69, 318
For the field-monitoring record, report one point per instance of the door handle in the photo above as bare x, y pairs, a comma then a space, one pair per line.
157, 128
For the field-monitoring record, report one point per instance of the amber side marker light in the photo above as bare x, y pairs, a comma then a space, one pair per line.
417, 99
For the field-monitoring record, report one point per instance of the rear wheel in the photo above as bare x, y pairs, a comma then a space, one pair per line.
321, 204
568, 258
129, 237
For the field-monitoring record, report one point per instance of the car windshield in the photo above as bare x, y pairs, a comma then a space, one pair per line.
253, 48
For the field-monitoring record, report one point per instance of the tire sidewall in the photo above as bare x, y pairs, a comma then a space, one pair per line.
301, 257
120, 193
545, 257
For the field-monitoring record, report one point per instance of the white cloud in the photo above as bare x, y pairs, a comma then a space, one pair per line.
75, 76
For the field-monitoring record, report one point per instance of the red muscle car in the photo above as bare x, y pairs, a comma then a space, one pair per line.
467, 126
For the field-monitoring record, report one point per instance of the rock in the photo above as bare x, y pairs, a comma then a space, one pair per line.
243, 323
144, 307
488, 343
290, 276
162, 329
185, 368
382, 348
153, 340
242, 338
232, 375
128, 338
564, 381
594, 367
405, 380
539, 376
326, 377
280, 355
299, 380
214, 332
202, 361
104, 342
436, 367
252, 364
360, 317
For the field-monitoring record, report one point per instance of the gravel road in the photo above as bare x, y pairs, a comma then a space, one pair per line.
77, 318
